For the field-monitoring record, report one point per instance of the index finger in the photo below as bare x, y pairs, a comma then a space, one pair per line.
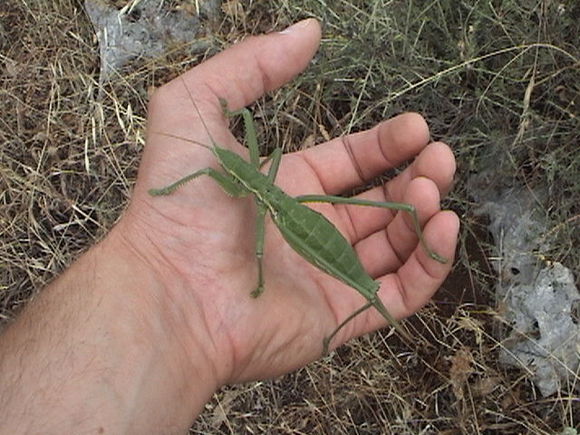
349, 161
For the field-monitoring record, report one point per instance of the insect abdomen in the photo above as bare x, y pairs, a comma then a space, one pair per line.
318, 241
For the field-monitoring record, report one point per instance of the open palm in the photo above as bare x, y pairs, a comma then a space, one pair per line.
202, 242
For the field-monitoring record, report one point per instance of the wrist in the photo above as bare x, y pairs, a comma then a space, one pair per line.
182, 291
179, 354
96, 351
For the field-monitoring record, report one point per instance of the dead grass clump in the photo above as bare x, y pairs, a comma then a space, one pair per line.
70, 147
45, 83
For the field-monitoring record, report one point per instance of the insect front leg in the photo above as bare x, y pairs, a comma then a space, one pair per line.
251, 138
275, 158
227, 183
390, 205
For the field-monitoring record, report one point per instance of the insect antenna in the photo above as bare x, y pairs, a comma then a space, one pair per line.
185, 139
203, 123
213, 142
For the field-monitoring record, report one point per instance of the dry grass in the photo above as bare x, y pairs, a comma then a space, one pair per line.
69, 158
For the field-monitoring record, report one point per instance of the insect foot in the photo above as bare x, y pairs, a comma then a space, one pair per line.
258, 291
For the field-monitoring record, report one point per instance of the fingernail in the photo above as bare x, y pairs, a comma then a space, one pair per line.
298, 25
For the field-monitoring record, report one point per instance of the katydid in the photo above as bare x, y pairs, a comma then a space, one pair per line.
308, 232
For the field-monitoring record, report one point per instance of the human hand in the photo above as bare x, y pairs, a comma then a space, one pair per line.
200, 243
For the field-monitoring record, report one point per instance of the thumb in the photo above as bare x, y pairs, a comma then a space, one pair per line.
247, 70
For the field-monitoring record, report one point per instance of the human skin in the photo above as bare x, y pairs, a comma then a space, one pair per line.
138, 334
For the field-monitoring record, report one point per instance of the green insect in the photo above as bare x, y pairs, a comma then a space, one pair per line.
308, 232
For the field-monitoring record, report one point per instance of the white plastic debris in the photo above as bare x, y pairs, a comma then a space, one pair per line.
537, 298
546, 338
144, 28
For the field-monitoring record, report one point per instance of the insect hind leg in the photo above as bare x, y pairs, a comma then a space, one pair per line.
390, 205
327, 340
